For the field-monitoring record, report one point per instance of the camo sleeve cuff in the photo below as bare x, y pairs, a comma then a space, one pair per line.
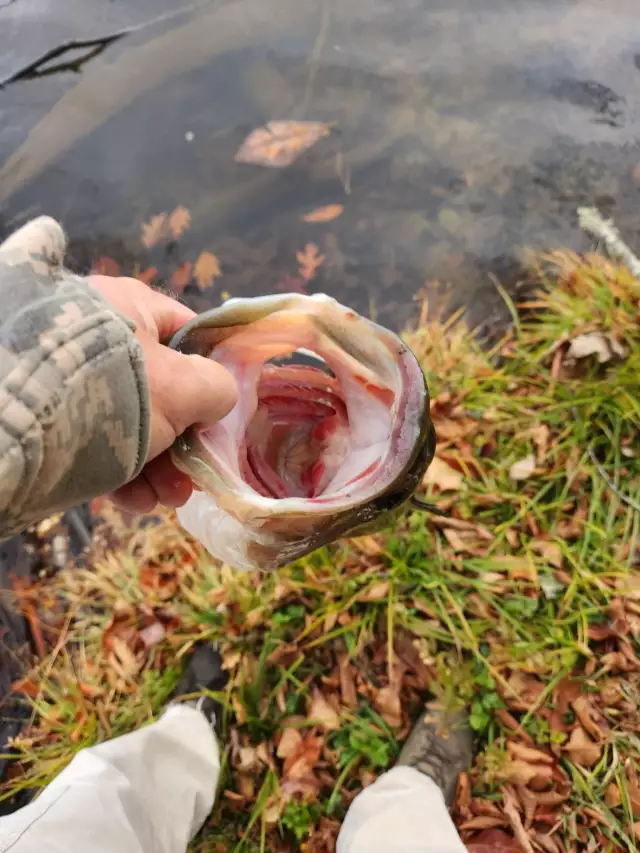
74, 403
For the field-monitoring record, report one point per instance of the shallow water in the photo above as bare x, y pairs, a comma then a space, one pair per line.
462, 137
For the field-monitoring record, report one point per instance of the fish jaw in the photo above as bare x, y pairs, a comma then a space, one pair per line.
306, 456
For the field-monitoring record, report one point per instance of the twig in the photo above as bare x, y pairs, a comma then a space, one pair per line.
95, 46
603, 229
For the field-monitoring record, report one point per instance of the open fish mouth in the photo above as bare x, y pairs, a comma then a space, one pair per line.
331, 434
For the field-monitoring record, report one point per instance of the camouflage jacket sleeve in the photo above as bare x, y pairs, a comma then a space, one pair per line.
74, 410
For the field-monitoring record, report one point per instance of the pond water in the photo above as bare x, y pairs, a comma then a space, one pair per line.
464, 132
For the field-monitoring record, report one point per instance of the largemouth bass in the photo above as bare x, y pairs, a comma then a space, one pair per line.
330, 438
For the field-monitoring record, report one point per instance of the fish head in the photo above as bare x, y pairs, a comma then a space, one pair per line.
331, 435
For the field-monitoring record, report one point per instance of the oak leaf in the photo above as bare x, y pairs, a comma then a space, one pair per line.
206, 269
154, 230
179, 222
279, 143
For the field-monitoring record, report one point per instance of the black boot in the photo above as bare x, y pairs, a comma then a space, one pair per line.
203, 672
441, 747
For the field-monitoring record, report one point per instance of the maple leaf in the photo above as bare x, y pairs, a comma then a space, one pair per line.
181, 277
179, 222
309, 260
280, 143
206, 269
154, 230
324, 214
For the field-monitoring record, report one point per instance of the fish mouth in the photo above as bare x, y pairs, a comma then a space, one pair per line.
330, 415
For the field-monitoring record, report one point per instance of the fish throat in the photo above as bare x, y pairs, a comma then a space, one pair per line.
299, 435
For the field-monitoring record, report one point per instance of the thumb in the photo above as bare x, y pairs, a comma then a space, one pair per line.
185, 390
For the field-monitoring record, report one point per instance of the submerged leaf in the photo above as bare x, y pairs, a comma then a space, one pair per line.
206, 269
154, 230
105, 266
179, 222
280, 143
324, 214
309, 259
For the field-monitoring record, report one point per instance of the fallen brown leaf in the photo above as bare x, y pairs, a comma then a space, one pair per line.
527, 753
582, 750
279, 143
377, 592
290, 743
604, 347
584, 712
154, 230
179, 222
347, 683
483, 822
493, 841
443, 476
324, 214
206, 269
321, 712
387, 703
302, 762
523, 469
551, 552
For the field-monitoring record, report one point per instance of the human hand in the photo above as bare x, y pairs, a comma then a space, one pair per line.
183, 389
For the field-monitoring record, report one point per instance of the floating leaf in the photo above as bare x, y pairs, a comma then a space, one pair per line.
523, 469
179, 222
324, 214
181, 277
206, 269
154, 230
280, 143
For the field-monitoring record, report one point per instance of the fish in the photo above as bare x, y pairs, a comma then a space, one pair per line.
330, 438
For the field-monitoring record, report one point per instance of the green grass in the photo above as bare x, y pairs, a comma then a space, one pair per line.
530, 595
